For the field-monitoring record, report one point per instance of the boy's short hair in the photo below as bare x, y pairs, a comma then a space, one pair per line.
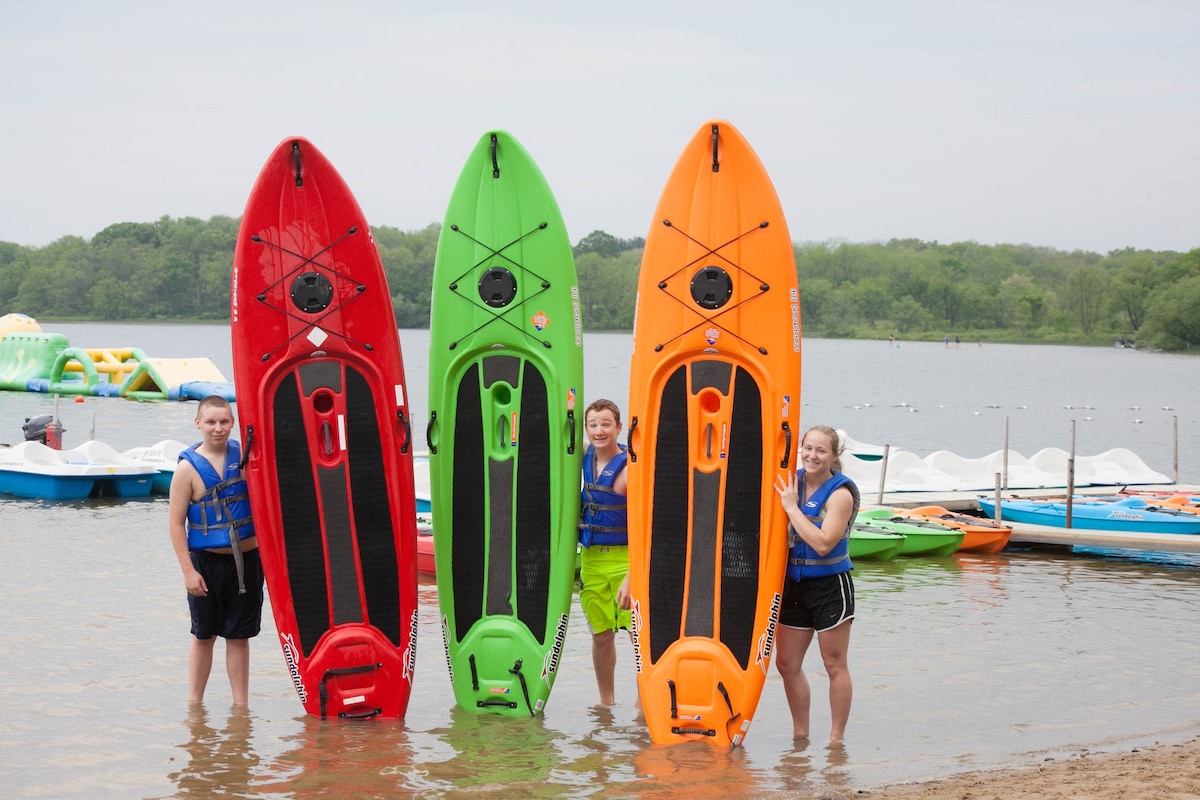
213, 400
603, 405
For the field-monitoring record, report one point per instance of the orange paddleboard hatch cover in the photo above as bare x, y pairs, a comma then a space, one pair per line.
714, 410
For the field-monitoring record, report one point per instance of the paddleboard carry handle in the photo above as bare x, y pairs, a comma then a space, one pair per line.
787, 449
249, 443
571, 427
429, 434
400, 415
629, 439
296, 161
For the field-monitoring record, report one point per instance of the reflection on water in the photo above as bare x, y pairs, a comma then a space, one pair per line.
216, 758
693, 768
489, 752
339, 758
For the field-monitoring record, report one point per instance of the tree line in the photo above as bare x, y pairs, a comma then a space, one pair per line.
179, 269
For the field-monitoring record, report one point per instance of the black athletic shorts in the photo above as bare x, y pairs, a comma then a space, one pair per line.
818, 604
224, 612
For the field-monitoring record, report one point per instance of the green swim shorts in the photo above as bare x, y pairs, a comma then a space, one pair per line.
601, 571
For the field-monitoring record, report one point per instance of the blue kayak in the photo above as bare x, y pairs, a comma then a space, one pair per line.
1130, 515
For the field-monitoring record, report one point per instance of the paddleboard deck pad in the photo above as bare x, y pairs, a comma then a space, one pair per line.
714, 410
505, 440
324, 415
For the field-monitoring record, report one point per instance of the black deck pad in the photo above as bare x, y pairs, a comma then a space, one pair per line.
668, 526
373, 522
741, 536
301, 519
467, 534
533, 533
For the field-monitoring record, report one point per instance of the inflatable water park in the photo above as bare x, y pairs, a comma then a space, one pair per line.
32, 360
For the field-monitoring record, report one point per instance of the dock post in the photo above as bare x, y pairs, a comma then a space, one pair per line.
1175, 445
882, 474
997, 513
1070, 476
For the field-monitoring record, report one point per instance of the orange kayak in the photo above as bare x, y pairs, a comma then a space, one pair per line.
980, 535
713, 420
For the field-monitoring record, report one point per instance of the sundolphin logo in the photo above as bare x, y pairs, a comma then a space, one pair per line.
289, 656
550, 663
636, 613
446, 645
794, 296
410, 652
766, 642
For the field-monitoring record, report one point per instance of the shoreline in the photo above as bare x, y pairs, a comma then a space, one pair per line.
1163, 771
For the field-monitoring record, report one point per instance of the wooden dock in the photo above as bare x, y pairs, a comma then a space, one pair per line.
1086, 537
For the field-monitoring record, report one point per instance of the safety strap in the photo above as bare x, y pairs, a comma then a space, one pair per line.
221, 504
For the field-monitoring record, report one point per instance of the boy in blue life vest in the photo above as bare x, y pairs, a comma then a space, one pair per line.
213, 535
603, 532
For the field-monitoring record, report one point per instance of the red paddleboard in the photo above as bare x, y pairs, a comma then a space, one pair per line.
326, 431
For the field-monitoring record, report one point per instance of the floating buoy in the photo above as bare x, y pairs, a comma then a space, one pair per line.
78, 398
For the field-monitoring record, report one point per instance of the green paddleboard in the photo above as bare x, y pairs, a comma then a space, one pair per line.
505, 432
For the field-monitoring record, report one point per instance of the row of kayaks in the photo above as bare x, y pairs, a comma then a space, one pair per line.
881, 534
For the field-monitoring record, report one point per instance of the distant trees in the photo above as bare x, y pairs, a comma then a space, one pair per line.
180, 269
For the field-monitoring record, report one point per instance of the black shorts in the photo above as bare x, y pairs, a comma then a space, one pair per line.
224, 612
818, 604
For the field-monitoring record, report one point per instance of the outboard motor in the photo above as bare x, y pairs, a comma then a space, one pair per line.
45, 429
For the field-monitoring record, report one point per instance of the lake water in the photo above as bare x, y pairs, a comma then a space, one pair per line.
959, 663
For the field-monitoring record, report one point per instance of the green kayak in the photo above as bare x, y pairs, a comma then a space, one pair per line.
921, 538
871, 544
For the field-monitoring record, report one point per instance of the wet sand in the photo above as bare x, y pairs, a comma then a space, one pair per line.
1162, 772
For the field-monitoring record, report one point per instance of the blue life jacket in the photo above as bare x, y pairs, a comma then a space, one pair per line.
803, 560
602, 515
224, 507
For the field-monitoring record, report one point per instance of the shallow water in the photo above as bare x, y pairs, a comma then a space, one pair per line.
959, 663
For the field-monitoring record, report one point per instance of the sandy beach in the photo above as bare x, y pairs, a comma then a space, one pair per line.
1161, 772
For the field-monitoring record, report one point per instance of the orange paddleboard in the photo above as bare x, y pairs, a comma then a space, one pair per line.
713, 420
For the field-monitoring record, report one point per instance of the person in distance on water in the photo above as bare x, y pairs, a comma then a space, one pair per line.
818, 595
213, 535
603, 532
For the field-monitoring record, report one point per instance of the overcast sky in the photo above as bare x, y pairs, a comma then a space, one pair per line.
1074, 125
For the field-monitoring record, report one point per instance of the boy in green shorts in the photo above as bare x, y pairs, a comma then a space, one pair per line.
603, 532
